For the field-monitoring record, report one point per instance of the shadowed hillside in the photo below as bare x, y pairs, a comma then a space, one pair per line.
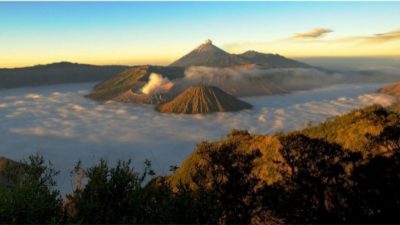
272, 60
56, 73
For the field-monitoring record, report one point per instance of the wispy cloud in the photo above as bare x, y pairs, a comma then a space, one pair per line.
314, 33
310, 44
383, 37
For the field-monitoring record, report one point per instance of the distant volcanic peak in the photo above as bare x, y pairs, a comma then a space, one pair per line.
252, 53
208, 46
203, 99
210, 55
272, 60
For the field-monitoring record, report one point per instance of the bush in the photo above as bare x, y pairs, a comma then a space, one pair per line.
30, 196
111, 195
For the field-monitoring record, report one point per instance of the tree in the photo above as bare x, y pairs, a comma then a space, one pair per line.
375, 196
225, 176
388, 140
315, 185
30, 197
111, 195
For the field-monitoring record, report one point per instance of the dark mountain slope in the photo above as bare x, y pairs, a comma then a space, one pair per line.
56, 73
272, 60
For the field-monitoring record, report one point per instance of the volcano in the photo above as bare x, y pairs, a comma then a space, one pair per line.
251, 67
210, 55
203, 99
207, 54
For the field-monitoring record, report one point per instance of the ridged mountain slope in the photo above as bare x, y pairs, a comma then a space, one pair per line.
203, 99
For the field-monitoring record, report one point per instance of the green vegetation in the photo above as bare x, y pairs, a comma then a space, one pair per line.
353, 130
301, 177
30, 196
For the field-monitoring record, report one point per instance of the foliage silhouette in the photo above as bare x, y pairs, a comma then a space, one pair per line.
30, 196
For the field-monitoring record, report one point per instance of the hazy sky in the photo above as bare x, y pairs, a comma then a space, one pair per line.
160, 32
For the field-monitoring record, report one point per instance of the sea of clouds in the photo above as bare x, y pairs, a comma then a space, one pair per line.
62, 125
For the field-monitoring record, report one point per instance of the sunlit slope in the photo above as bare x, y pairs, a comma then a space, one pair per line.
266, 168
132, 78
353, 131
392, 89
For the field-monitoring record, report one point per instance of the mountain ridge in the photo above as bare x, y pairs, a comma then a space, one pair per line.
207, 54
56, 73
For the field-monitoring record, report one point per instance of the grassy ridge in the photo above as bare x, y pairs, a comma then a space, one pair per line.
353, 131
392, 89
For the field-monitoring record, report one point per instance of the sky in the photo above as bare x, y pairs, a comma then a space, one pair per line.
160, 32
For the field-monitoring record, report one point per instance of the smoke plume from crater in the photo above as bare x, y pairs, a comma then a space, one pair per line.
157, 84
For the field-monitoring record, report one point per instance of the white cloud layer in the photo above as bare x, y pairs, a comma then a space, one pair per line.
58, 122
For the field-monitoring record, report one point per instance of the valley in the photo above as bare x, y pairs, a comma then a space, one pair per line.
61, 124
